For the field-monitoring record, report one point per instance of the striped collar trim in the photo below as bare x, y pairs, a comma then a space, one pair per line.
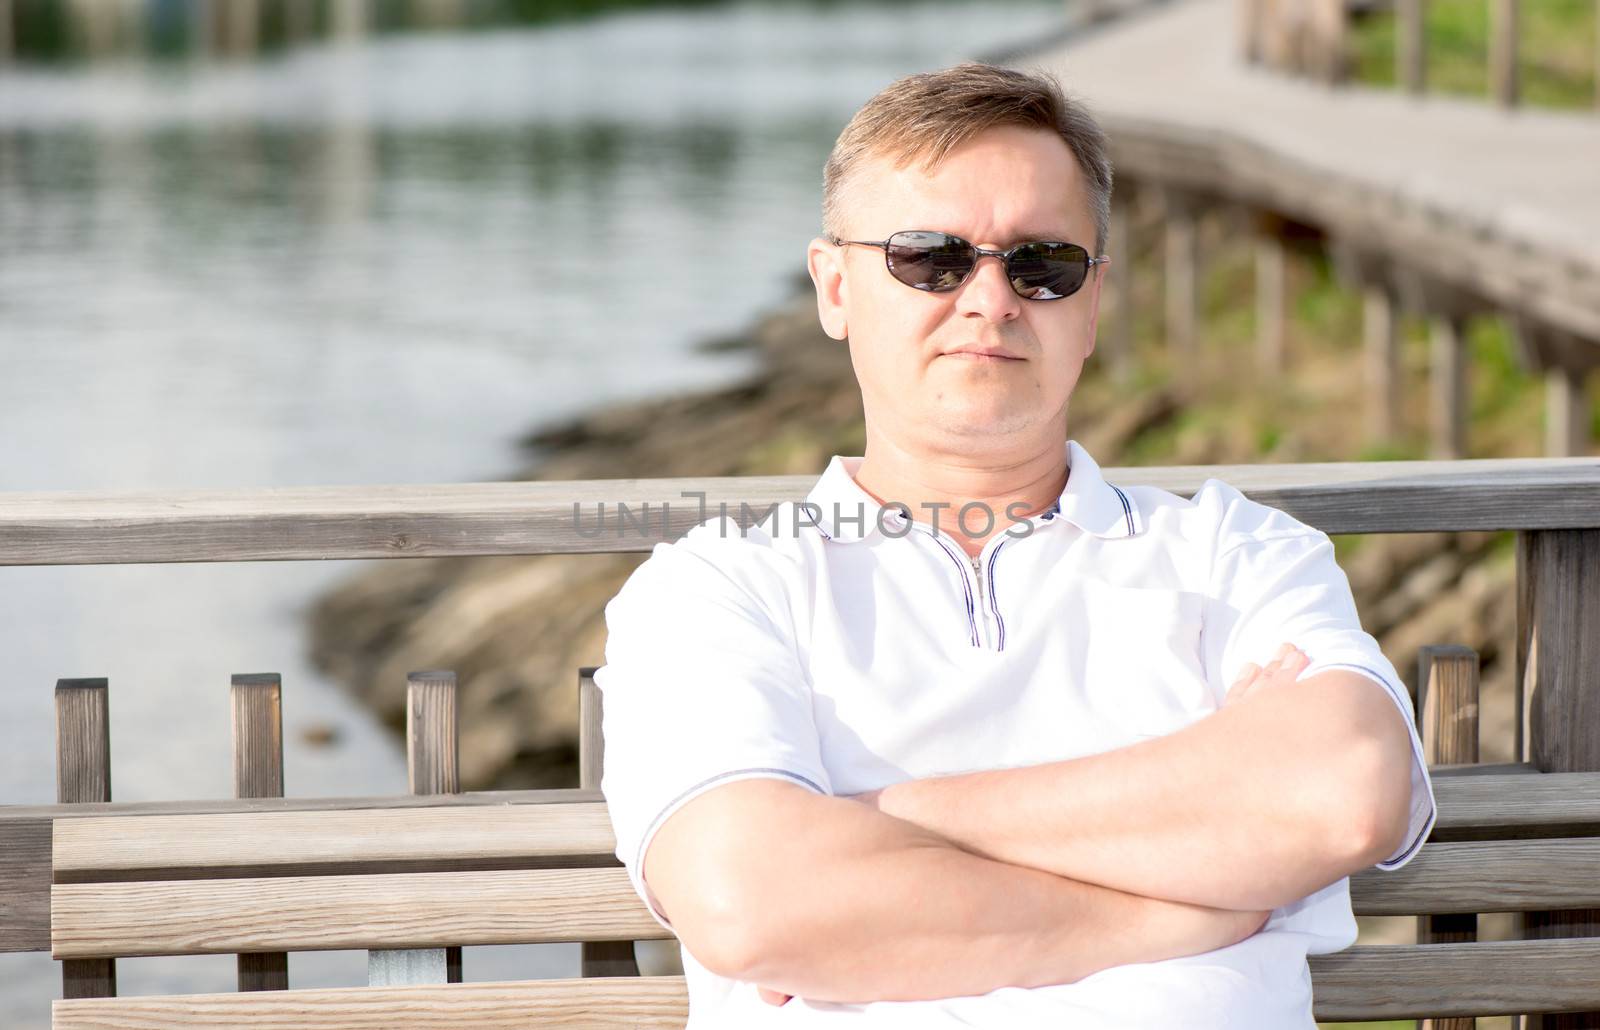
1088, 502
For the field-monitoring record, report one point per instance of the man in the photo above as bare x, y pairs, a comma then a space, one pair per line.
973, 737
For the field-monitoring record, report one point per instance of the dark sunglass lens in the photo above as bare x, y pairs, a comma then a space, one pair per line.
932, 261
1048, 271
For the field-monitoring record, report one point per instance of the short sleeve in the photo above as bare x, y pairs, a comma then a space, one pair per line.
701, 686
1274, 579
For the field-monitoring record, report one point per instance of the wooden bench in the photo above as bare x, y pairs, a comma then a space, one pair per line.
263, 875
533, 867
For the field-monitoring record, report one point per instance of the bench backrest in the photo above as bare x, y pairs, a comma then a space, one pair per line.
480, 871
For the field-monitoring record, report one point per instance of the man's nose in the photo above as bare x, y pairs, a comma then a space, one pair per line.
987, 291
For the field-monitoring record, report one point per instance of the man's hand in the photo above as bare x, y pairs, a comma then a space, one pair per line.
1285, 667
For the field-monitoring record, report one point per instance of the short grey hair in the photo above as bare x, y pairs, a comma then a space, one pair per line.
929, 114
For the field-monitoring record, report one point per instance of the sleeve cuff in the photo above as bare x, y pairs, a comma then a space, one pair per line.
1423, 810
636, 868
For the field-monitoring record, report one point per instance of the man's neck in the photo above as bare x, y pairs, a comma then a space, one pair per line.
936, 488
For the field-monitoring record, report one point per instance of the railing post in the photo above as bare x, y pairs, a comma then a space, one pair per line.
1120, 246
1182, 278
1447, 716
257, 702
1566, 413
1380, 334
1558, 656
83, 775
433, 767
1411, 49
1503, 84
1271, 295
1451, 396
599, 958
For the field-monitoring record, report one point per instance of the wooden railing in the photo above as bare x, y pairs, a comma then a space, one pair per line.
1311, 37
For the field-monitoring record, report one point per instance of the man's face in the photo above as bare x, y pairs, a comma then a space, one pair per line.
1001, 187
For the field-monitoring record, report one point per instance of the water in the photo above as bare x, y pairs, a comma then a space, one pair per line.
373, 263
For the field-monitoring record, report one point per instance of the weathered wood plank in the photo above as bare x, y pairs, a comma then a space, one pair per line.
313, 843
623, 1003
1517, 807
539, 517
1484, 876
316, 913
26, 831
328, 832
1486, 978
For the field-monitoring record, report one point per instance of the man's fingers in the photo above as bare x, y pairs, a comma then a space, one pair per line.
772, 997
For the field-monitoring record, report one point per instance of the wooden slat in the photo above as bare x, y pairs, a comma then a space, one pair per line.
25, 839
309, 843
257, 705
405, 521
318, 913
345, 830
1486, 978
624, 1003
1517, 807
314, 914
1484, 876
83, 774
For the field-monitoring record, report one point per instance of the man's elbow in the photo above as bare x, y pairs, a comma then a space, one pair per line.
1373, 798
714, 919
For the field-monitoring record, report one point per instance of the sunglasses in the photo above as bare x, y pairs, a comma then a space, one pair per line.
938, 262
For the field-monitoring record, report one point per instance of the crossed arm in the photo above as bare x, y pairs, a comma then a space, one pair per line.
1043, 874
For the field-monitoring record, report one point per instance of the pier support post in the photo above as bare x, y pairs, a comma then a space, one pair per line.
1410, 52
1448, 386
1503, 82
1380, 336
1119, 356
1182, 278
1566, 413
1271, 296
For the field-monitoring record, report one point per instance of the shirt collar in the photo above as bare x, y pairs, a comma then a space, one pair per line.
844, 512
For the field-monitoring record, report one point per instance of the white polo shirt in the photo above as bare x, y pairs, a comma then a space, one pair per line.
841, 647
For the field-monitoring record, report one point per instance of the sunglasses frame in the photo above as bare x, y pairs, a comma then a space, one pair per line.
979, 254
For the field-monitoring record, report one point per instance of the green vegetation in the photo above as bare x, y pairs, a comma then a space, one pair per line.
1556, 51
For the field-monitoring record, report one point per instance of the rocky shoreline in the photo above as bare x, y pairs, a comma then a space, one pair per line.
516, 629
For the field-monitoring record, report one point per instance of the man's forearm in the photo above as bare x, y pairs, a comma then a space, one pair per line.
1252, 807
864, 907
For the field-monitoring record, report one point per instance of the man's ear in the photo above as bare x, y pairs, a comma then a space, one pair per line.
826, 264
1095, 282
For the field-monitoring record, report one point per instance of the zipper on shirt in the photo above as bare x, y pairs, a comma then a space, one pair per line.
980, 602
